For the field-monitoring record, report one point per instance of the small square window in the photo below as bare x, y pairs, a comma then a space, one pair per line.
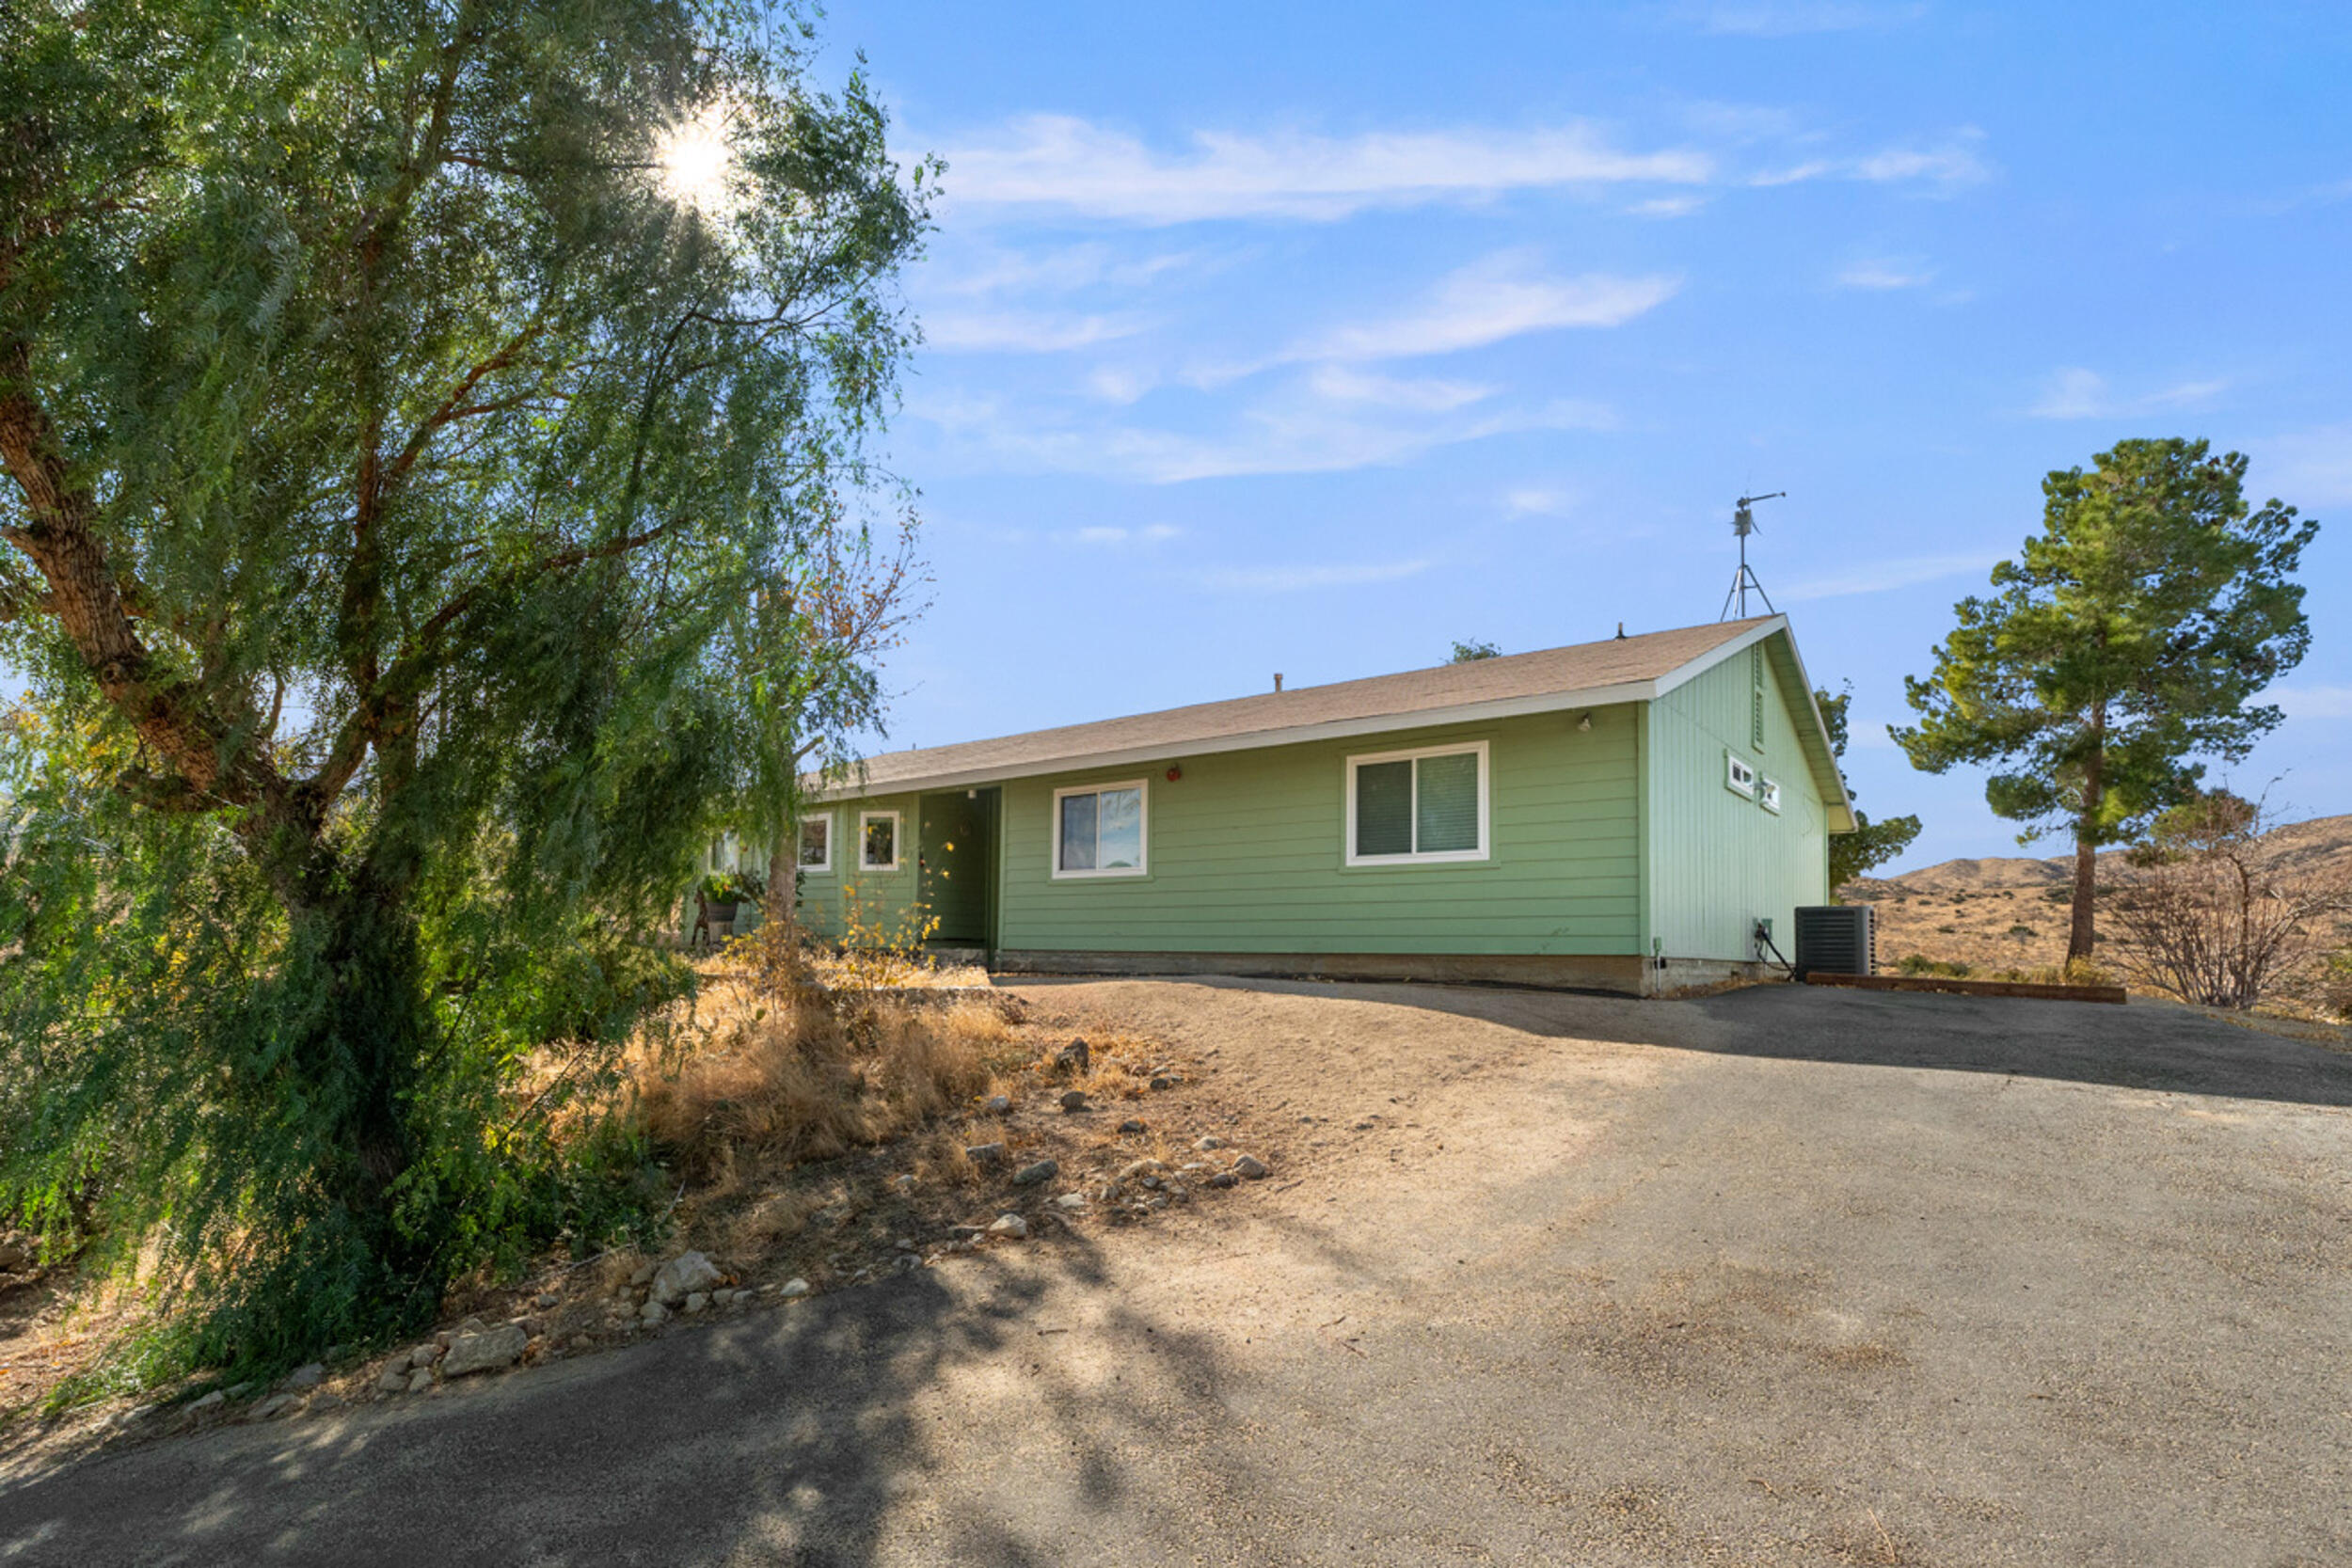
1739, 777
817, 843
1768, 795
878, 841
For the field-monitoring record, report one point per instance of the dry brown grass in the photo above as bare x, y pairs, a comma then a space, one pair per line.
783, 1083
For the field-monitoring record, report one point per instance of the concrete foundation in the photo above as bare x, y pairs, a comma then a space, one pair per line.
1615, 974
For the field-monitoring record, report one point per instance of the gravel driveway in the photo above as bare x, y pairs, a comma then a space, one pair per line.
1783, 1276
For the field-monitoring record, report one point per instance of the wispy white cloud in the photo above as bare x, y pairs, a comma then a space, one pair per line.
1120, 383
1347, 384
1502, 296
1292, 580
1295, 430
1880, 576
1949, 165
1061, 160
1059, 269
2314, 702
1021, 331
1532, 503
1773, 18
1667, 206
1113, 534
2075, 393
1884, 273
2308, 467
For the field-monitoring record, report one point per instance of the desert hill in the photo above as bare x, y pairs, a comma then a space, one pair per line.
2010, 912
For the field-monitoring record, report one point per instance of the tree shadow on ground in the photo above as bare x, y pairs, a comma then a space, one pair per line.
2147, 1046
799, 1434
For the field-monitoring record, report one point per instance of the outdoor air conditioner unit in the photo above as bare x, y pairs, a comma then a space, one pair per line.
1834, 939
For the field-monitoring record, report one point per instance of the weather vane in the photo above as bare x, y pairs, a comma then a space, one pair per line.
1743, 524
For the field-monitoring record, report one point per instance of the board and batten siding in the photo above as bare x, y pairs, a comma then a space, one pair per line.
1717, 860
1245, 854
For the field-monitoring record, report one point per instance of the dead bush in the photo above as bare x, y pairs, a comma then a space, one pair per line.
2202, 912
799, 1080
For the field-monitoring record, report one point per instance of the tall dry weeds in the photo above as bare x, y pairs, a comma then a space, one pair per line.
805, 1079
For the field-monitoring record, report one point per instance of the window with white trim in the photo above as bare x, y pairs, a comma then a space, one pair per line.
1099, 831
1768, 795
1738, 776
817, 843
878, 841
1409, 808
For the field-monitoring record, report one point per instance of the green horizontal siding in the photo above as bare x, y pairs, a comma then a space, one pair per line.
1244, 855
881, 901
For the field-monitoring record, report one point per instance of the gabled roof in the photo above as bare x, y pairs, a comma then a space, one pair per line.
1587, 674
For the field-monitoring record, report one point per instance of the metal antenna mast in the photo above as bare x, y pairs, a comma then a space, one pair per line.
1743, 524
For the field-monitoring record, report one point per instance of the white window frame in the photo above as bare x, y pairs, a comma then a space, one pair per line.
1739, 775
1431, 857
898, 836
816, 868
1767, 794
1052, 854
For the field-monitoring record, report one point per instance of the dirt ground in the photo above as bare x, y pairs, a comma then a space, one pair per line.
1782, 1276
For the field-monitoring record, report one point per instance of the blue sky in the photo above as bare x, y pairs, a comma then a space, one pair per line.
1310, 338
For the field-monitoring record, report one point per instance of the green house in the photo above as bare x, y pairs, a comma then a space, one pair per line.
1617, 814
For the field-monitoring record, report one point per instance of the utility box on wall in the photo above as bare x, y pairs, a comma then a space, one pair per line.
1835, 939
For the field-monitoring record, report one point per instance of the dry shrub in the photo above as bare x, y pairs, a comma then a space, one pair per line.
805, 1080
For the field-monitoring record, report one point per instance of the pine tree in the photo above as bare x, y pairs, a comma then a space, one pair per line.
2128, 641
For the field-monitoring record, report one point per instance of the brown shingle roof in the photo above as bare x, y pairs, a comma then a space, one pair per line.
1596, 672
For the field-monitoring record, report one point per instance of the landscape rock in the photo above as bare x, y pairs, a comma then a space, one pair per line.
684, 1275
1029, 1176
643, 1274
1251, 1169
1137, 1170
1011, 1227
425, 1354
1162, 1081
395, 1376
326, 1398
16, 1252
420, 1381
653, 1312
1210, 1142
999, 1104
698, 1301
985, 1154
309, 1375
484, 1352
212, 1400
1077, 1056
1075, 1100
1071, 1201
274, 1406
237, 1390
1132, 1125
794, 1288
544, 1300
1224, 1179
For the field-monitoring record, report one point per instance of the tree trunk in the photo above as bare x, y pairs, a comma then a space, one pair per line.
784, 869
2080, 935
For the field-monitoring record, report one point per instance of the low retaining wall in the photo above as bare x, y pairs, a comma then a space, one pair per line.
1622, 975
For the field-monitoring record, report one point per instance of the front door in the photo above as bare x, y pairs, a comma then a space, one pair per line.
953, 864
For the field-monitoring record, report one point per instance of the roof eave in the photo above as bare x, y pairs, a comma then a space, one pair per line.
1337, 729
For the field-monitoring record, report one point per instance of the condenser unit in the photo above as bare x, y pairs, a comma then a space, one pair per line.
1835, 939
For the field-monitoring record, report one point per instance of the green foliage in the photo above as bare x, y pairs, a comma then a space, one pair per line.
1870, 844
1463, 653
2129, 641
391, 456
1920, 963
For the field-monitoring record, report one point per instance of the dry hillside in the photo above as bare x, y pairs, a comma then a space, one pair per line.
2010, 912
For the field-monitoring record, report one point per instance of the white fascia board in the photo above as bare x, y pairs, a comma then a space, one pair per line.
1337, 729
1720, 652
1820, 731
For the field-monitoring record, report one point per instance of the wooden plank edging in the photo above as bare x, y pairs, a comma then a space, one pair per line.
2114, 994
